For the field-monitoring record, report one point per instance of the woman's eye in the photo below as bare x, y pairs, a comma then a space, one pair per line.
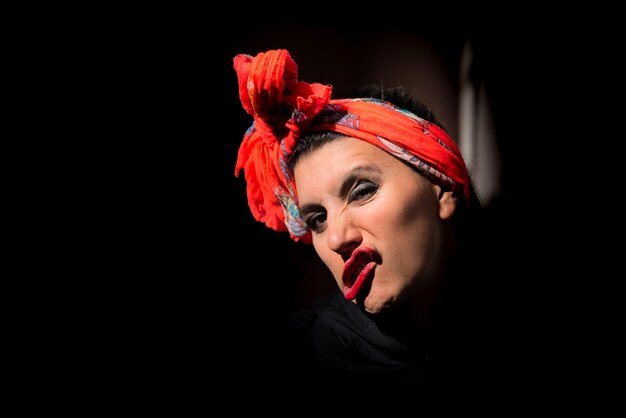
316, 222
363, 190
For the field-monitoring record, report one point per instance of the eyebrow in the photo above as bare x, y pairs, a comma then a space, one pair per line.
346, 185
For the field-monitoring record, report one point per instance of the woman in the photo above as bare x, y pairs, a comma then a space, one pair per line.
383, 194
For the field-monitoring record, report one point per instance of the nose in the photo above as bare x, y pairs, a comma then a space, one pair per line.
343, 236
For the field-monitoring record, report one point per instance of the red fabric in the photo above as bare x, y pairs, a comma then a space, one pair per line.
281, 106
417, 136
284, 108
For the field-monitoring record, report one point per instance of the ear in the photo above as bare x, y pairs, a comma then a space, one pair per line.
447, 204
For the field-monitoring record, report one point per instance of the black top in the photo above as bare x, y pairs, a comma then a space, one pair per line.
336, 341
479, 340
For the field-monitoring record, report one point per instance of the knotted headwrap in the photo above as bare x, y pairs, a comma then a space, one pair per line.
285, 109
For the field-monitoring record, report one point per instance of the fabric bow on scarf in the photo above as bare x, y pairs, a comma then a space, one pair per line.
282, 108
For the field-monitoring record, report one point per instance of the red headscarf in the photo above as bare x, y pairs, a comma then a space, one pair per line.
285, 108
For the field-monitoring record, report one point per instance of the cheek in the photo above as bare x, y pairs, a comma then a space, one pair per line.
400, 226
388, 216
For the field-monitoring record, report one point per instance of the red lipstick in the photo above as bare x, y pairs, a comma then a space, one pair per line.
358, 268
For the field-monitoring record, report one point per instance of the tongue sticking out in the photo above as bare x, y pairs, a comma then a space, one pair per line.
357, 270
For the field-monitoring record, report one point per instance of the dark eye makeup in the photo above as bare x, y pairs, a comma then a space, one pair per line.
361, 190
316, 222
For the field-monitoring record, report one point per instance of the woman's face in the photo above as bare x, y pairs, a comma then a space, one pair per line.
375, 222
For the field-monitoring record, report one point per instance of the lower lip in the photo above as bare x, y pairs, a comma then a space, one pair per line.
351, 292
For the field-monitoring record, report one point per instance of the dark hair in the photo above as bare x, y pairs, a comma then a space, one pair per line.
401, 98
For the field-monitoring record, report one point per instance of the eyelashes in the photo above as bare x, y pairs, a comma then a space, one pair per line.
316, 222
361, 192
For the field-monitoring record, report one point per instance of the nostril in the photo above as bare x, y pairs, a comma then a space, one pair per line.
347, 251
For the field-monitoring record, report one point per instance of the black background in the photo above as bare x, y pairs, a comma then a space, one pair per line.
200, 287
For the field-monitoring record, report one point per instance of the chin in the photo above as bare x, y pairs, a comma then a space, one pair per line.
375, 304
382, 297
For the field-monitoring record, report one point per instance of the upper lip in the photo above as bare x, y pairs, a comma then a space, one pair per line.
358, 259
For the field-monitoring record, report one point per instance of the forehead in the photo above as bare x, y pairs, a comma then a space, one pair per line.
340, 152
331, 163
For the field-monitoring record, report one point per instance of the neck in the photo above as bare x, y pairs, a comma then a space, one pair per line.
412, 322
415, 321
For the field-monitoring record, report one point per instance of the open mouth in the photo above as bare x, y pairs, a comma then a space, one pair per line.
357, 271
